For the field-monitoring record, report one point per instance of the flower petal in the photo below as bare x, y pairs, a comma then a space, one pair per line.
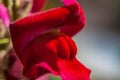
73, 70
41, 55
37, 5
76, 21
4, 15
40, 51
26, 29
44, 51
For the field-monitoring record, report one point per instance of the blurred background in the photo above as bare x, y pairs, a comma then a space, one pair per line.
99, 42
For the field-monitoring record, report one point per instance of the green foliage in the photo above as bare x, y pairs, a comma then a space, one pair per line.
55, 78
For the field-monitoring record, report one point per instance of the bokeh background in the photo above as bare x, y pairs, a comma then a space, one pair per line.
99, 42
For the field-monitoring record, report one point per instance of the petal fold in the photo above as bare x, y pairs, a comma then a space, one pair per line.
73, 70
76, 20
41, 55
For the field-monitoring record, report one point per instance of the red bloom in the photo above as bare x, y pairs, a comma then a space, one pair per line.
41, 49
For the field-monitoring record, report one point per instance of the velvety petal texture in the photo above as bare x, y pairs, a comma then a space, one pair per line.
72, 70
37, 5
4, 15
43, 44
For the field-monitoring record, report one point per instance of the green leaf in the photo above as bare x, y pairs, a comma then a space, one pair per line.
55, 78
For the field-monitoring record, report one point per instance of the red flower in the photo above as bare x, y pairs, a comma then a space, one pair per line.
42, 49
